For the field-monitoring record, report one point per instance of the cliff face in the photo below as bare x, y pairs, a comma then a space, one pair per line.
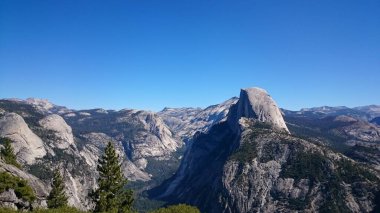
185, 122
256, 103
250, 163
63, 132
272, 171
72, 141
28, 146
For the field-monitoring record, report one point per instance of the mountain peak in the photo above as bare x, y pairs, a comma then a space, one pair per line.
255, 90
45, 103
258, 104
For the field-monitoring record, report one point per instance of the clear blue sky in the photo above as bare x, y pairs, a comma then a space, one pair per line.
148, 54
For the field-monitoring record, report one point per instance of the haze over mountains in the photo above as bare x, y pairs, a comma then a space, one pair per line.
242, 155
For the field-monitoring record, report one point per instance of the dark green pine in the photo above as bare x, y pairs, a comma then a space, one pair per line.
7, 153
57, 197
111, 196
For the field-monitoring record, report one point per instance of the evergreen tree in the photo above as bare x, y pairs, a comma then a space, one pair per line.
57, 197
111, 196
7, 153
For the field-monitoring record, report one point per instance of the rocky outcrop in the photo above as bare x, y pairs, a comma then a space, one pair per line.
178, 119
94, 146
27, 145
143, 134
362, 130
9, 199
256, 103
241, 159
185, 122
288, 174
156, 141
48, 137
63, 132
45, 106
252, 164
40, 154
40, 104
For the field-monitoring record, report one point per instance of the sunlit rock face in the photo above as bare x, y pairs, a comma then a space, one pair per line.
27, 145
62, 131
256, 103
185, 122
246, 164
48, 137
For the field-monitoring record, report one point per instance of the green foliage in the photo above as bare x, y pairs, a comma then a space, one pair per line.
350, 172
315, 167
262, 125
144, 204
41, 171
7, 210
7, 153
20, 186
57, 197
269, 152
180, 208
248, 148
111, 196
245, 153
335, 196
312, 166
58, 210
260, 128
64, 156
297, 203
65, 209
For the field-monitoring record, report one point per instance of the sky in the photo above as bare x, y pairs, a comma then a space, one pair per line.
151, 54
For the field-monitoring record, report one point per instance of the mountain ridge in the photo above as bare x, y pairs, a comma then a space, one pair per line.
245, 164
151, 145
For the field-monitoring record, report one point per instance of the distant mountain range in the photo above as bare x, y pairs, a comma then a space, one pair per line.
243, 155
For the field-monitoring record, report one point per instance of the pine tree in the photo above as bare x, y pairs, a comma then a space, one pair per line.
57, 197
111, 196
7, 153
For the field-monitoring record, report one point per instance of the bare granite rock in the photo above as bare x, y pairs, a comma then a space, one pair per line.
28, 146
250, 163
257, 103
62, 131
185, 122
